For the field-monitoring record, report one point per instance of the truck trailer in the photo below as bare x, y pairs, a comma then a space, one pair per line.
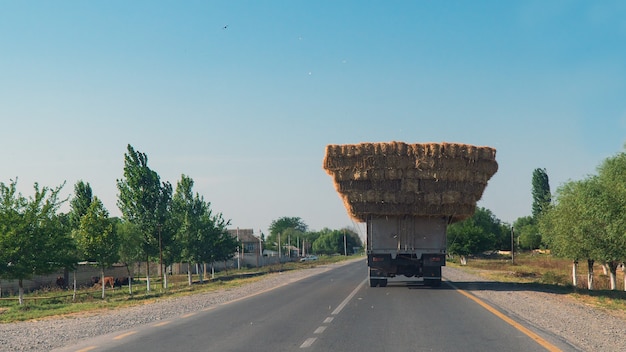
405, 245
407, 194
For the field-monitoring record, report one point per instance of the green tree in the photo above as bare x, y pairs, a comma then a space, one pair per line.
33, 239
221, 245
612, 177
474, 235
527, 231
336, 241
541, 192
97, 239
570, 227
202, 235
285, 228
189, 215
144, 202
79, 204
130, 240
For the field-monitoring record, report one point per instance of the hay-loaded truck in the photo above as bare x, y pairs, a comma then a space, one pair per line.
407, 194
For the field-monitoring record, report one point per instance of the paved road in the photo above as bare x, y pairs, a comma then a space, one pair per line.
332, 311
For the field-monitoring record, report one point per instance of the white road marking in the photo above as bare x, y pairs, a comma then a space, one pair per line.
345, 301
319, 330
308, 342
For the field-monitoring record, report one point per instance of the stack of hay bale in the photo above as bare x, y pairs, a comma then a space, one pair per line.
400, 179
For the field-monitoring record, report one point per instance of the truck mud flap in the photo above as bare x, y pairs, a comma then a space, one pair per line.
433, 260
431, 268
380, 261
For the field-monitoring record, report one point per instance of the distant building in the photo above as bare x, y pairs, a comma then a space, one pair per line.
250, 244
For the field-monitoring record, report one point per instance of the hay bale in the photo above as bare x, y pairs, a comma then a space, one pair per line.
400, 179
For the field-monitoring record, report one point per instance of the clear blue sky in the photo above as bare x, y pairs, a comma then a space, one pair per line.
243, 96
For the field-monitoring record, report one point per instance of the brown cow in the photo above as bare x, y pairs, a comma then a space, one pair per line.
109, 280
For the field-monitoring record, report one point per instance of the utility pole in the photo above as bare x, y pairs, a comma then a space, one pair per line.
279, 254
238, 252
345, 244
512, 246
161, 256
260, 248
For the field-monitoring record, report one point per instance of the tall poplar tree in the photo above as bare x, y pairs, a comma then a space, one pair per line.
83, 196
144, 202
541, 192
202, 235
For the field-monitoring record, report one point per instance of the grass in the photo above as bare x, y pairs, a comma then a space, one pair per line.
54, 302
547, 273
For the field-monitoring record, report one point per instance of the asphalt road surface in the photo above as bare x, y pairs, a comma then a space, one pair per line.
335, 311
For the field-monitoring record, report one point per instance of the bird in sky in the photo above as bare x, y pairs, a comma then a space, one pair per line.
226, 26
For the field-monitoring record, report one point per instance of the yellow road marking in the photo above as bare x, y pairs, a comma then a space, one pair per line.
188, 315
86, 349
161, 323
545, 344
119, 337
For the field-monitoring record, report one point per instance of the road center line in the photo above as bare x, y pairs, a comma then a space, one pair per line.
319, 330
345, 301
308, 342
545, 344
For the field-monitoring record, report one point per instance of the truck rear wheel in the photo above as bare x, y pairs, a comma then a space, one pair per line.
375, 278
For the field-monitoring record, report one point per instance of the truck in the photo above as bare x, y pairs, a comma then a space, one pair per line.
407, 195
405, 245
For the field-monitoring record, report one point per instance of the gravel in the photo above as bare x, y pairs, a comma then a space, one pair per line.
574, 326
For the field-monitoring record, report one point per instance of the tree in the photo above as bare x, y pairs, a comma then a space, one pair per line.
202, 235
223, 244
541, 192
587, 220
612, 176
97, 239
144, 202
33, 240
285, 227
474, 235
570, 227
527, 232
130, 240
189, 215
336, 241
79, 204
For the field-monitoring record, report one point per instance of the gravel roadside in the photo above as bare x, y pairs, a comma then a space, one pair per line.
50, 333
580, 326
